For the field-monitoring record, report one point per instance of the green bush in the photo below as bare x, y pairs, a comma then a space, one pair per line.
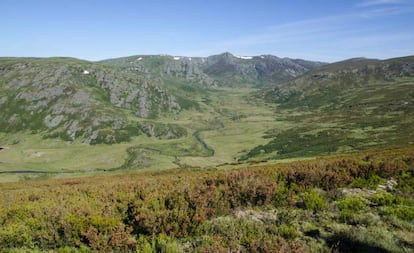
384, 199
288, 232
406, 182
312, 200
403, 212
16, 236
351, 203
161, 244
371, 182
66, 249
349, 207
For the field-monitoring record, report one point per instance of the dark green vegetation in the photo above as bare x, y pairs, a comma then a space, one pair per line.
355, 203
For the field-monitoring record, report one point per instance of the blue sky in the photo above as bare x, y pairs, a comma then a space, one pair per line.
315, 30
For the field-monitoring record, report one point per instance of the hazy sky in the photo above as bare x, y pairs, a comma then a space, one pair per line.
310, 29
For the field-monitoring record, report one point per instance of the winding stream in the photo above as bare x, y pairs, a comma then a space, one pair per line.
205, 146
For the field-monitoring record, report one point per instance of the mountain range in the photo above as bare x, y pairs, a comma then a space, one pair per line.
218, 70
72, 98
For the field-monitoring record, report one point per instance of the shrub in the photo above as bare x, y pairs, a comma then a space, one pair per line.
351, 203
288, 232
403, 212
312, 200
161, 243
349, 207
371, 182
16, 236
406, 182
384, 199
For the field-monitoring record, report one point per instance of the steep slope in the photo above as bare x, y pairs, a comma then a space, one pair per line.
354, 104
71, 98
222, 70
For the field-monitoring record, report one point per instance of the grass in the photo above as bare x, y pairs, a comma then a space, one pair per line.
33, 153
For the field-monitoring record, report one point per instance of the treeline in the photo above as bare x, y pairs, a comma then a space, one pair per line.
326, 204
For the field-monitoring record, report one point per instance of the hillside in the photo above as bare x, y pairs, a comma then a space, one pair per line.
70, 98
351, 203
350, 105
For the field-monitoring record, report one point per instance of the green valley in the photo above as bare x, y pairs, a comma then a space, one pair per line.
158, 153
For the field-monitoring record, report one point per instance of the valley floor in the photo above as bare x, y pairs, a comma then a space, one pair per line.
227, 126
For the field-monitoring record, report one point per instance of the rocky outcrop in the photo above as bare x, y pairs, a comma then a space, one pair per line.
69, 98
162, 131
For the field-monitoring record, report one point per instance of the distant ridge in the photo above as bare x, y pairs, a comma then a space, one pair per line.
222, 69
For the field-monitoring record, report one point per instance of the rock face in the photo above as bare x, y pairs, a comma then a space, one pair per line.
223, 69
69, 98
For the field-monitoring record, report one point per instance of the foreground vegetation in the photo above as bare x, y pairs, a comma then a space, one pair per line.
359, 202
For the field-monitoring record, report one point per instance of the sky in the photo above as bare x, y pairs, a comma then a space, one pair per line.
322, 30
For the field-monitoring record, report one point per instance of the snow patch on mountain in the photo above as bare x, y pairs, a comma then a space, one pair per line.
244, 57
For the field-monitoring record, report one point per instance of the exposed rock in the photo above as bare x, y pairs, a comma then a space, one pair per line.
162, 131
357, 191
73, 128
81, 97
52, 122
260, 216
389, 185
3, 100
